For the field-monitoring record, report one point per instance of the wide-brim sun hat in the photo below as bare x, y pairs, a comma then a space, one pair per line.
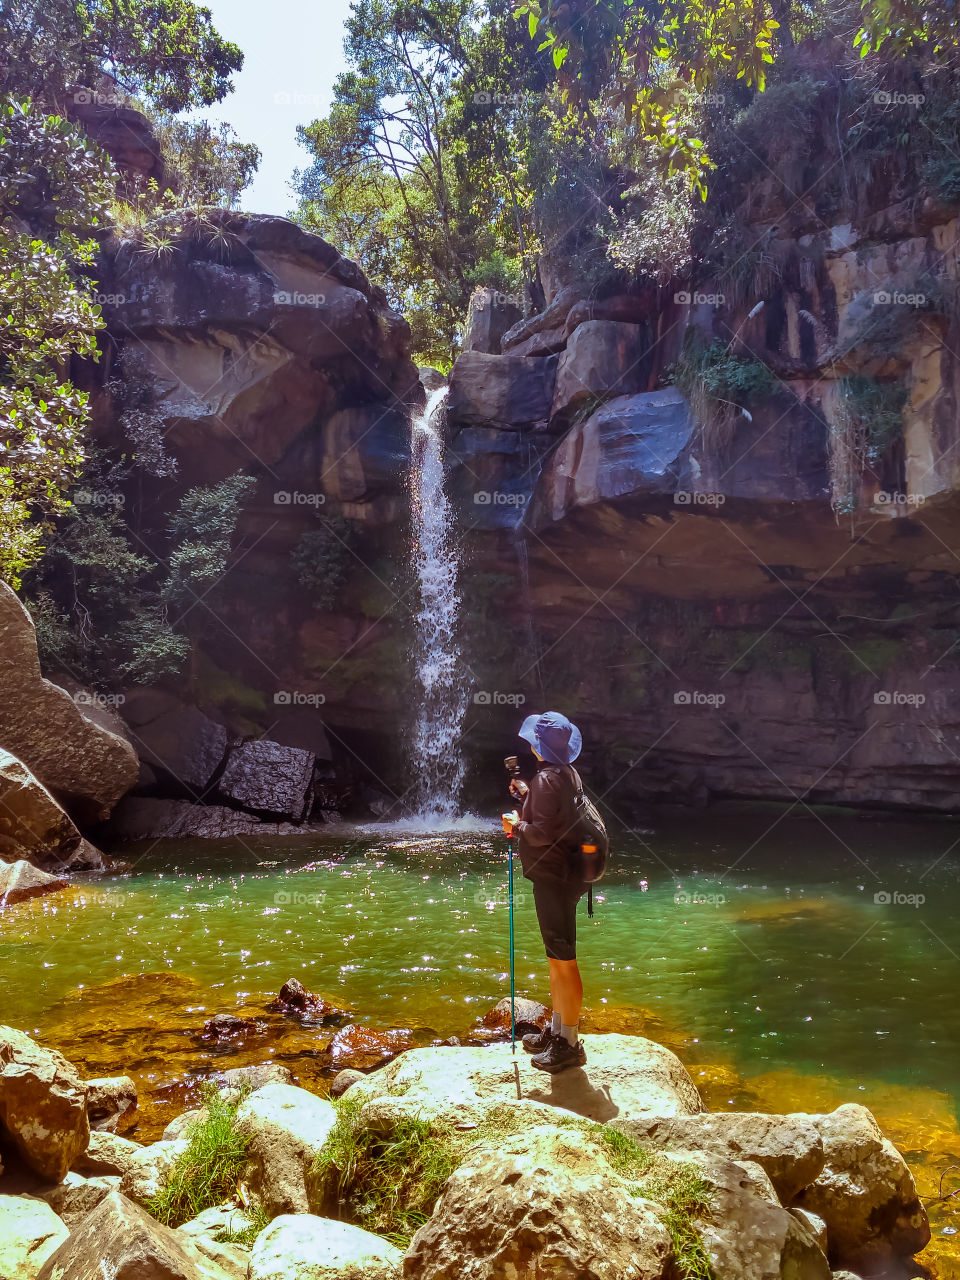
553, 736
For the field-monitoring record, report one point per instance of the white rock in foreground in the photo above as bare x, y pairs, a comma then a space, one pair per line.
30, 1232
304, 1247
286, 1126
624, 1076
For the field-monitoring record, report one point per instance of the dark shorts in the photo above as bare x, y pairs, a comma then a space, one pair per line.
556, 905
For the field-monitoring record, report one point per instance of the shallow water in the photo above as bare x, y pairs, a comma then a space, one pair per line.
760, 953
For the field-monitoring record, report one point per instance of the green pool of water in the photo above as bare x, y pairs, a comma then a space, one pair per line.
763, 942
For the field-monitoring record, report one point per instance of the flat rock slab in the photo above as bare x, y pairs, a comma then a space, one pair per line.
624, 1076
30, 1232
305, 1247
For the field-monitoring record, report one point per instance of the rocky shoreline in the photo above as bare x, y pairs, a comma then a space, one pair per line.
587, 1174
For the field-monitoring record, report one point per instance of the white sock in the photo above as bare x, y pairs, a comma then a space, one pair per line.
555, 1025
571, 1034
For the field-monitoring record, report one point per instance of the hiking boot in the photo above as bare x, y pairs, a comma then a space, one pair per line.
559, 1055
537, 1041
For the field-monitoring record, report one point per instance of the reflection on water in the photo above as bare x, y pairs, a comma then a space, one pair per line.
791, 971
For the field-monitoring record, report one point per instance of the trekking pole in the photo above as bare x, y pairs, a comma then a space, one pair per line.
513, 1015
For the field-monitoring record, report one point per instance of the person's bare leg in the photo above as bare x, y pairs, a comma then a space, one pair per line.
566, 990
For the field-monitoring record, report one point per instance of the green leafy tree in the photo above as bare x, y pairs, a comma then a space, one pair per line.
206, 164
54, 191
166, 51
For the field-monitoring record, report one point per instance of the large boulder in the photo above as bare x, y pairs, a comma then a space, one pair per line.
630, 446
544, 1203
76, 1196
747, 1235
603, 358
120, 1240
866, 1194
788, 1147
108, 1153
148, 1169
112, 1103
176, 739
624, 1076
85, 766
43, 1104
490, 314
501, 391
22, 880
286, 1128
272, 780
304, 1247
30, 1231
33, 827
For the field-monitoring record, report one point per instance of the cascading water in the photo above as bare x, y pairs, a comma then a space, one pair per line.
438, 759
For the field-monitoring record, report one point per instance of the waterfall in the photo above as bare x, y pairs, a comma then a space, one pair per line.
438, 759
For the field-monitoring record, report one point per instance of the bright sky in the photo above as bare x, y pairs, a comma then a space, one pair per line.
293, 53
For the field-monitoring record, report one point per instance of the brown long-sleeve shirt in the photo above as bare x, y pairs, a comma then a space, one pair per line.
545, 841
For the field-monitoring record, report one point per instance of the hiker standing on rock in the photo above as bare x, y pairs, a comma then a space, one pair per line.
550, 855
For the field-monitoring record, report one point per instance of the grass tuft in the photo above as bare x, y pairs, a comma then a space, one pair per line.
208, 1171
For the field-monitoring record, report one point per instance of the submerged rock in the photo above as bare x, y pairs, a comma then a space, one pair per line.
305, 1247
30, 1231
229, 1026
866, 1194
286, 1128
365, 1047
544, 1202
43, 1104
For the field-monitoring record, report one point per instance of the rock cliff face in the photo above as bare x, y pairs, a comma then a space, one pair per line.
745, 594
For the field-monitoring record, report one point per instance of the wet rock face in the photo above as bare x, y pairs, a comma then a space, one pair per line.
86, 767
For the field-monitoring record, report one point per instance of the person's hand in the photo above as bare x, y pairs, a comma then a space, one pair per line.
518, 789
509, 821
